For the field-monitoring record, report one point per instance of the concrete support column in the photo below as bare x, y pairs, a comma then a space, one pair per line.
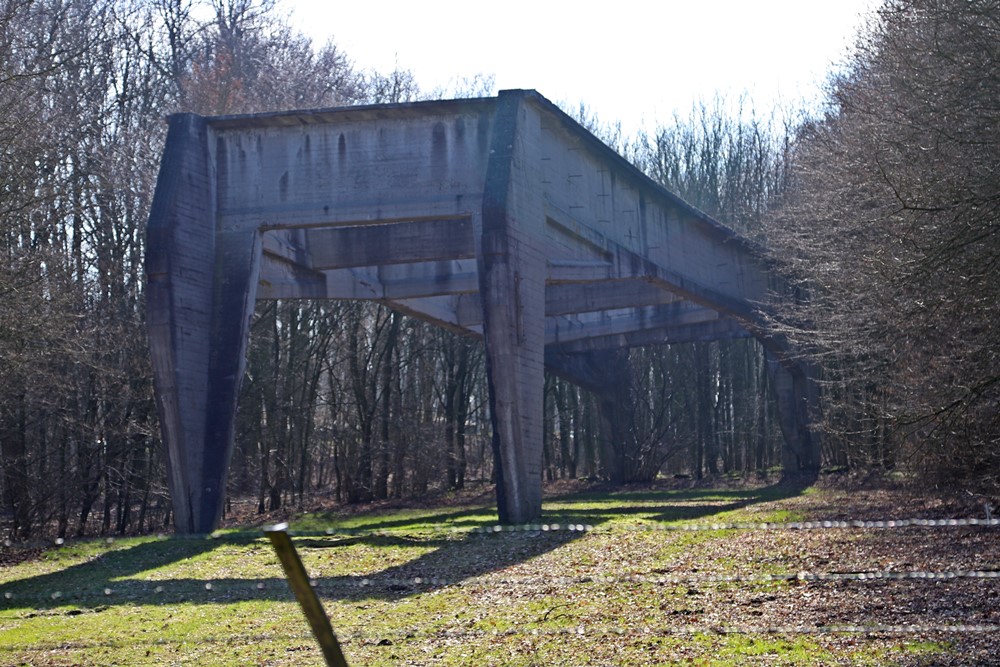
606, 374
618, 444
797, 396
237, 269
512, 288
200, 294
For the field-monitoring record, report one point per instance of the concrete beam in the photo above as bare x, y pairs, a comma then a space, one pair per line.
567, 299
569, 328
280, 279
579, 271
404, 281
720, 329
386, 244
461, 313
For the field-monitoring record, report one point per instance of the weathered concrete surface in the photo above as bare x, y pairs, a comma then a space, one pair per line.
201, 288
500, 218
512, 288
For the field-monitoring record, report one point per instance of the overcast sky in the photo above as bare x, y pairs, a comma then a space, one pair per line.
629, 61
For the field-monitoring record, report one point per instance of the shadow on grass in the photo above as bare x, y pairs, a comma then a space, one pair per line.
106, 579
474, 517
671, 506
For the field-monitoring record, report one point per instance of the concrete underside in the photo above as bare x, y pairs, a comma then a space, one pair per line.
499, 217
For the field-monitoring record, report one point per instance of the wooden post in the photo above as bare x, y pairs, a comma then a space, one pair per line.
298, 581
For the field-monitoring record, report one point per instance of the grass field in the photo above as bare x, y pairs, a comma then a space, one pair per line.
636, 577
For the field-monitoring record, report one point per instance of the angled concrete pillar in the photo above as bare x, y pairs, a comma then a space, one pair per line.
201, 289
512, 288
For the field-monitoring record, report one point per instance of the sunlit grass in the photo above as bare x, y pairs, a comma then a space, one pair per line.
411, 521
431, 586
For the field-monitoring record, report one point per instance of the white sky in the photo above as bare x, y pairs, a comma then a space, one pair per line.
627, 60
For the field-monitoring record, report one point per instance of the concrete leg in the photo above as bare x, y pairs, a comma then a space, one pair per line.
618, 443
512, 287
797, 395
606, 374
200, 293
237, 262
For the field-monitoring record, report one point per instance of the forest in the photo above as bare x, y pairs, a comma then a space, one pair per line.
882, 207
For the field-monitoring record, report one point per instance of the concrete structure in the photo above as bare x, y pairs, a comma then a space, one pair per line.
498, 217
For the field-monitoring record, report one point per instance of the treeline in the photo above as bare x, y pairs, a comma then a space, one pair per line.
353, 401
84, 89
892, 225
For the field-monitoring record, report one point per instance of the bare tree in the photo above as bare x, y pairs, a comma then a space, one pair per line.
891, 226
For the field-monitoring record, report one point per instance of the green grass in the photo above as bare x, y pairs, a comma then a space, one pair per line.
426, 587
